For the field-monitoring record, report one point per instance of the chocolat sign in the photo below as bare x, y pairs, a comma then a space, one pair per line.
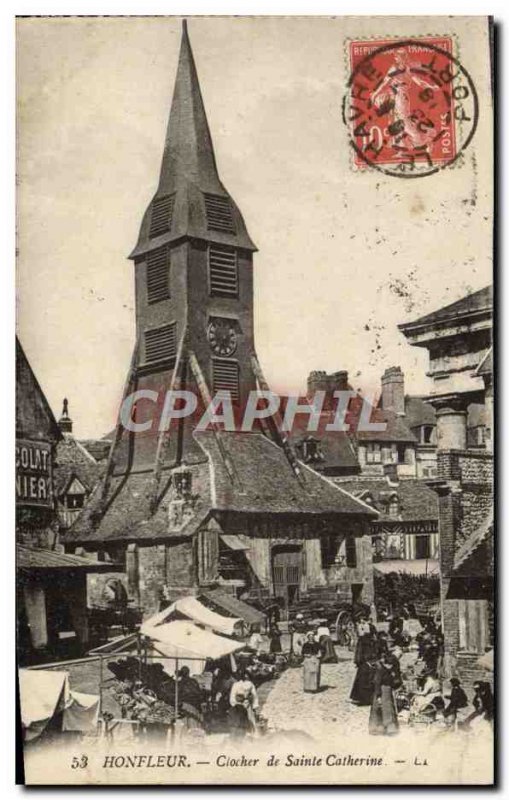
33, 473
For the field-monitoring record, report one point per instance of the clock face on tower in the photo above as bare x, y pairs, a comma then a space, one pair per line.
222, 336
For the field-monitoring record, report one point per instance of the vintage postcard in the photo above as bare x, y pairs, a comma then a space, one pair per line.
254, 431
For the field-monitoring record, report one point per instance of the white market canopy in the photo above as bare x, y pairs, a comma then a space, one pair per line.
43, 693
192, 646
191, 608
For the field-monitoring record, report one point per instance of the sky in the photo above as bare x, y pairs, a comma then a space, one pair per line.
344, 256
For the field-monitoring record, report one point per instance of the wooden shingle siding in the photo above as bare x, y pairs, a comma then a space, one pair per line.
161, 343
158, 275
161, 215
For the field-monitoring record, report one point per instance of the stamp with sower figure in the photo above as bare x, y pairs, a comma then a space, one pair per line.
410, 108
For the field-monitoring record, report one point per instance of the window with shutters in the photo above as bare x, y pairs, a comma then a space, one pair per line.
158, 275
219, 213
223, 273
161, 215
225, 377
161, 343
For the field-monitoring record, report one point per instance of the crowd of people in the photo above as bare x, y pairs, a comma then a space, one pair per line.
416, 693
399, 675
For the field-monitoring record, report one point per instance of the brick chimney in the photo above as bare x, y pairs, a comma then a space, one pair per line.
393, 390
318, 380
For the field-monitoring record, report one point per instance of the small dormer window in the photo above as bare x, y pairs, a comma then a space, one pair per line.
427, 433
310, 449
75, 501
183, 482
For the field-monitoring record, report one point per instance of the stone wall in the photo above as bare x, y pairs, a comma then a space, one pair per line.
464, 503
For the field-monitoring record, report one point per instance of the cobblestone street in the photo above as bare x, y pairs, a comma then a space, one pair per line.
288, 707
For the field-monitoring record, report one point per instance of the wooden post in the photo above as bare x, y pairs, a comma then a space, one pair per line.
176, 689
100, 686
276, 424
164, 435
207, 399
119, 427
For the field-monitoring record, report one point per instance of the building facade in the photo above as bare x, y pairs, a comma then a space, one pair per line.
51, 586
386, 468
459, 340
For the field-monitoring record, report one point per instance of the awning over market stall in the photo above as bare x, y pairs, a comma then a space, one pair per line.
192, 646
191, 608
43, 693
226, 602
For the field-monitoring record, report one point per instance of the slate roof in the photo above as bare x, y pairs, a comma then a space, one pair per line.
34, 417
267, 483
128, 516
470, 547
98, 448
72, 459
38, 558
264, 483
336, 448
475, 303
417, 502
396, 428
418, 412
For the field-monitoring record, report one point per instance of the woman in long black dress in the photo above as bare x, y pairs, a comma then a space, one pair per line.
366, 654
275, 639
383, 718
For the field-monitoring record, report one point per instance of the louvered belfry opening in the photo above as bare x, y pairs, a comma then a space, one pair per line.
158, 275
161, 215
223, 277
219, 213
225, 377
161, 343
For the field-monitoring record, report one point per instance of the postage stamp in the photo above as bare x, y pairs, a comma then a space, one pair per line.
410, 107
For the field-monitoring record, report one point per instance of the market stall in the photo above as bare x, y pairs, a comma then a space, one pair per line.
190, 608
47, 700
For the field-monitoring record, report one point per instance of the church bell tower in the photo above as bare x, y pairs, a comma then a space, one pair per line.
193, 266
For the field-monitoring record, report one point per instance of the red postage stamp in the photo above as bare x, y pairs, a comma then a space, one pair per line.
410, 106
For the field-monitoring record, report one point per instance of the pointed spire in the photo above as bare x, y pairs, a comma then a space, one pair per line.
188, 171
188, 151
